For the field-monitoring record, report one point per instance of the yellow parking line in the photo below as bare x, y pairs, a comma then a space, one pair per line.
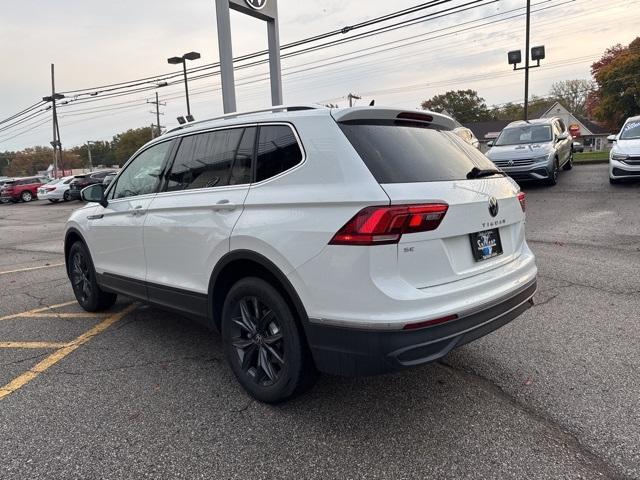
32, 268
58, 355
62, 315
55, 345
37, 310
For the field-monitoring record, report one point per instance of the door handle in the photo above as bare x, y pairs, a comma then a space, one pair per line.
137, 211
224, 205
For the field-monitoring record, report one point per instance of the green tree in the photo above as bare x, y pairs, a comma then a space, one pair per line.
463, 105
515, 111
617, 77
573, 94
102, 153
125, 144
29, 161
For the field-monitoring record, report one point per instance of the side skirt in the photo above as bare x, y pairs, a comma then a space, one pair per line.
185, 302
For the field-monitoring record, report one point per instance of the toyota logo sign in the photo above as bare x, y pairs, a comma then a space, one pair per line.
256, 4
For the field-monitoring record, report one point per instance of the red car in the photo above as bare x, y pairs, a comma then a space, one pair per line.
25, 189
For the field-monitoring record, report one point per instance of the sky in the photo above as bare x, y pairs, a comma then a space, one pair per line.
95, 43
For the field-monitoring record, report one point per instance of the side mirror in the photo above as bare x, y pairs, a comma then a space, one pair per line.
94, 193
611, 138
490, 144
562, 137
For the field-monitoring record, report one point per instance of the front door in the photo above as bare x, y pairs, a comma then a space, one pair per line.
116, 230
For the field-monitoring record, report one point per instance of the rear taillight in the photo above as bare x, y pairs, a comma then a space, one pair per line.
49, 189
385, 225
522, 198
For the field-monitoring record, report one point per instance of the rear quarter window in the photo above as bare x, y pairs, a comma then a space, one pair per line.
278, 151
406, 152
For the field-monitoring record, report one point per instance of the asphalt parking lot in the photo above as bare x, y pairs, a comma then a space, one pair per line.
140, 393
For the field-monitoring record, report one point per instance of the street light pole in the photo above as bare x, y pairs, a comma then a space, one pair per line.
186, 88
526, 63
183, 60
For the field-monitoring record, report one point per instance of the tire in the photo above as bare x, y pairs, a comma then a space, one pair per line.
264, 344
553, 175
569, 165
83, 280
54, 200
614, 181
65, 196
26, 196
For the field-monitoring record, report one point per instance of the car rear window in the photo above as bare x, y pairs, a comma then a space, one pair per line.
406, 152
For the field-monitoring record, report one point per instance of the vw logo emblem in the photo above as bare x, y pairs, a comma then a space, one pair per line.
257, 4
510, 163
493, 206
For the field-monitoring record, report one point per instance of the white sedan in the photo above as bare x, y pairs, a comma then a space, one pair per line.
55, 190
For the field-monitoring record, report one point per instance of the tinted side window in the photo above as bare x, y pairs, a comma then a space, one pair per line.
213, 159
142, 175
278, 151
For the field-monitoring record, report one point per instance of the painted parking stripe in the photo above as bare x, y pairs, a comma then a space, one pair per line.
32, 268
38, 310
43, 345
60, 354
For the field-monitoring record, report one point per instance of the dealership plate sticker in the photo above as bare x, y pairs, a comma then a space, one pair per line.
486, 244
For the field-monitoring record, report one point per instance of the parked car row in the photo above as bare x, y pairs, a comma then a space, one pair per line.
26, 189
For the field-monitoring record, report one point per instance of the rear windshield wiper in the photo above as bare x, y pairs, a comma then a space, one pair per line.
480, 173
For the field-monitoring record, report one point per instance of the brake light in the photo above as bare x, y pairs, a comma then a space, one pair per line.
385, 225
415, 116
522, 199
49, 189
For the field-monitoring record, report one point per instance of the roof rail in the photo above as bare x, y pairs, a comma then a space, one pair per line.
276, 108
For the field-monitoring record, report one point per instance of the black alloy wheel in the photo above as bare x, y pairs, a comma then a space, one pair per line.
257, 338
263, 342
83, 281
553, 174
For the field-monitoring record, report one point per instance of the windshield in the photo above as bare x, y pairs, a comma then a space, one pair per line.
404, 152
630, 131
524, 134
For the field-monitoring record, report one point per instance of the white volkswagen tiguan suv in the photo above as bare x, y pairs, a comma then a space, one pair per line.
349, 241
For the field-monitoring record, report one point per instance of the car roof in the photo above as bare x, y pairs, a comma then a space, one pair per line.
633, 119
536, 121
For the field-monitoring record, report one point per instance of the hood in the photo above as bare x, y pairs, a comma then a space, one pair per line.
630, 147
515, 152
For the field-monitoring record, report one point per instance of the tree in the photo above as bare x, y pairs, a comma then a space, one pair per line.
617, 76
29, 161
573, 94
515, 111
463, 105
125, 144
102, 153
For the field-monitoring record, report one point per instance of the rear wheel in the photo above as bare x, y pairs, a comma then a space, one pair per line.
65, 196
263, 342
83, 280
26, 196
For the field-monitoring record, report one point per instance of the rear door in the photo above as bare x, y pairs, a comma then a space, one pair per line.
189, 224
423, 163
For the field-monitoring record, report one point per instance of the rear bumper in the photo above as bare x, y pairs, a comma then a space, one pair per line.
356, 352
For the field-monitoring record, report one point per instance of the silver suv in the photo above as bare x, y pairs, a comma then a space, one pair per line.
533, 150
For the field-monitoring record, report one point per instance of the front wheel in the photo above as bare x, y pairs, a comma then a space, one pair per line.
83, 280
263, 342
26, 196
569, 164
553, 174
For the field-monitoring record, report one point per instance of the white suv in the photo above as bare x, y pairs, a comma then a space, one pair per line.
352, 241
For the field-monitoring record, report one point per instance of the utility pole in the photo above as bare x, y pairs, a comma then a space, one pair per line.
351, 98
56, 144
89, 154
157, 113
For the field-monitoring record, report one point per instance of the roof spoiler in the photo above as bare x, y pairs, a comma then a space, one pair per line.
383, 113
